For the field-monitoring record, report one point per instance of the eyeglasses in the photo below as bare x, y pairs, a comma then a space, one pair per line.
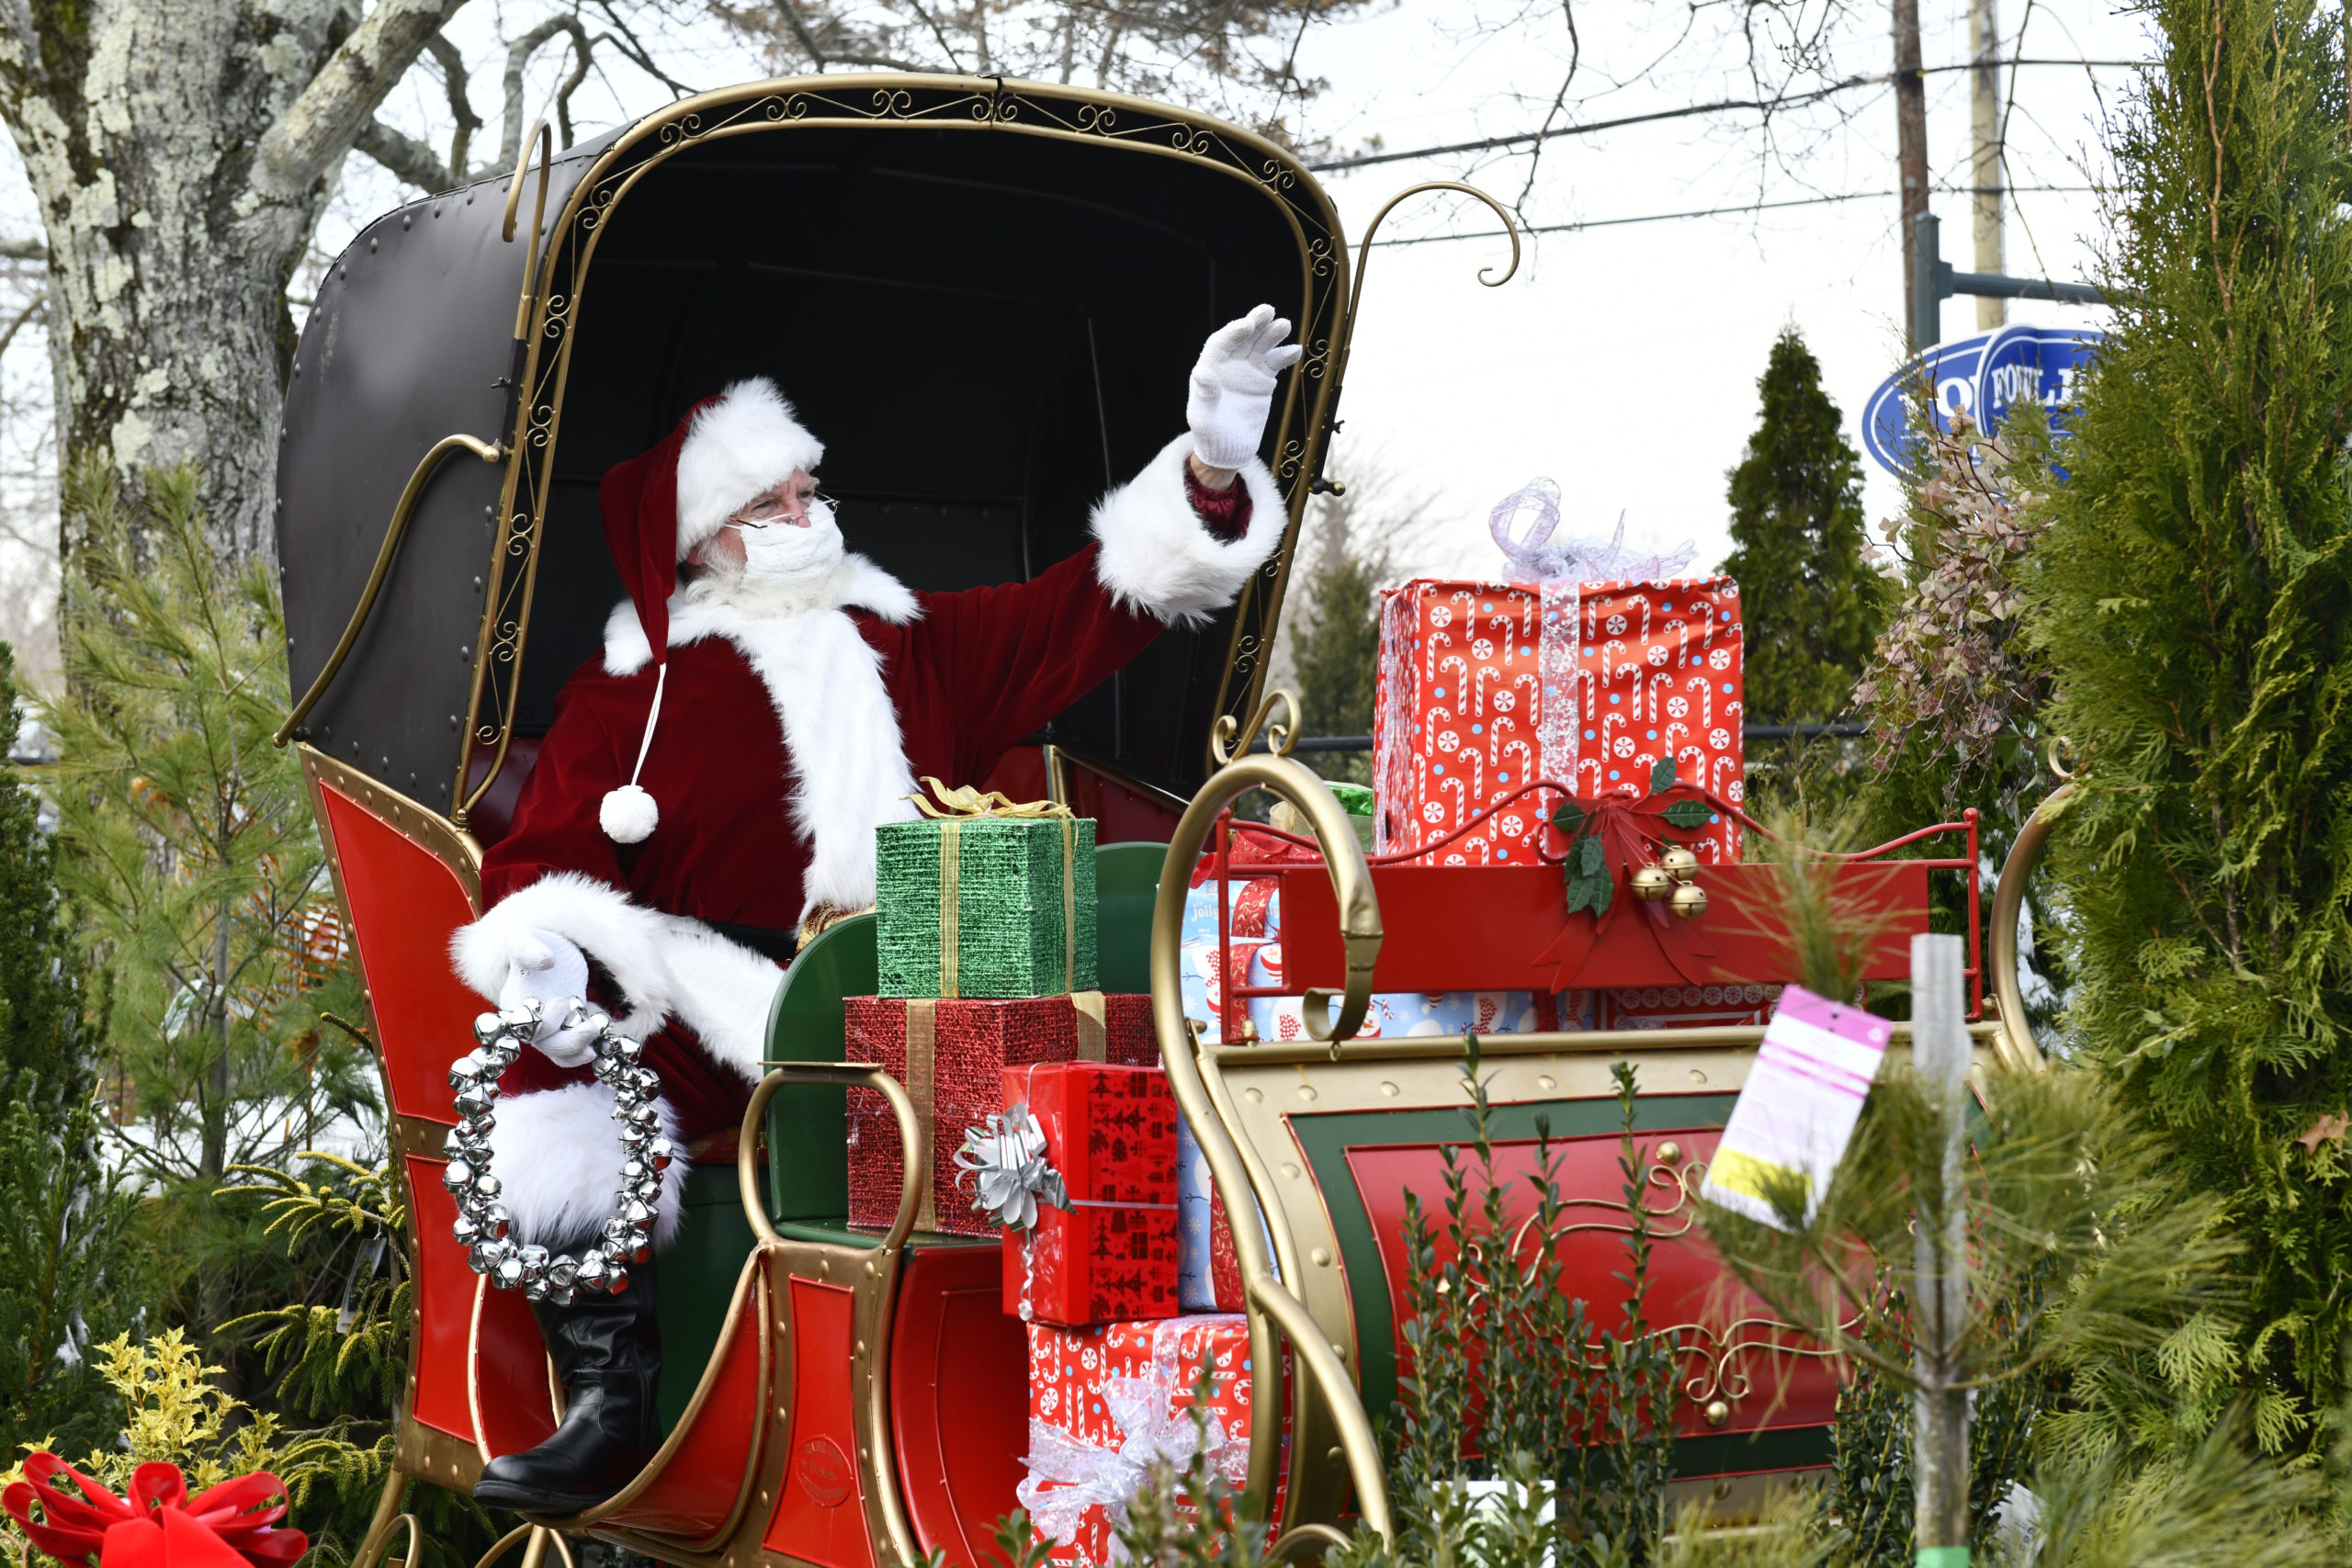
768, 511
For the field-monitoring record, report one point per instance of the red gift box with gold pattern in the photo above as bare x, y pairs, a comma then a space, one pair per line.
1112, 1253
950, 1054
1107, 1401
1486, 687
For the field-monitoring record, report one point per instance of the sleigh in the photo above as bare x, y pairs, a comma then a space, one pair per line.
1020, 273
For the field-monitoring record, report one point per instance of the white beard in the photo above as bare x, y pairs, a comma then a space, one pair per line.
784, 571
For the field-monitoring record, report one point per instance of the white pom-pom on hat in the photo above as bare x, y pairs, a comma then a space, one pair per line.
628, 815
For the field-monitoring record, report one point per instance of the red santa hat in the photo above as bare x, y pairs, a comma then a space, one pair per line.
727, 452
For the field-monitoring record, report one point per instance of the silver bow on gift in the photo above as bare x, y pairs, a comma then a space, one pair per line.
1007, 1159
1067, 1475
1536, 557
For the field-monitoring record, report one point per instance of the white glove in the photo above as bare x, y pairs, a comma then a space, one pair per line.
549, 969
1233, 387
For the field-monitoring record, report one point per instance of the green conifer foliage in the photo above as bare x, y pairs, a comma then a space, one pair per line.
189, 843
2194, 598
1335, 629
1811, 600
63, 1265
188, 850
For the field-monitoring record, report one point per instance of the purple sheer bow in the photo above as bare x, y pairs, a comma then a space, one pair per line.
1536, 557
1068, 1474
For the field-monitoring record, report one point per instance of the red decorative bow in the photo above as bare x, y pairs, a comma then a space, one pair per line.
1624, 829
232, 1524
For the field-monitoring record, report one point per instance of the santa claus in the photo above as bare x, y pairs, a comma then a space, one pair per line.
706, 795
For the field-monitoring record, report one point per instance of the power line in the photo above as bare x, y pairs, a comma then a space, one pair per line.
1723, 106
1711, 212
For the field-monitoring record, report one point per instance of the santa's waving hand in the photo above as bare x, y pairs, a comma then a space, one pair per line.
707, 797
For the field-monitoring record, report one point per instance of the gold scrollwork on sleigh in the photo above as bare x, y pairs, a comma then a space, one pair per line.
1716, 1357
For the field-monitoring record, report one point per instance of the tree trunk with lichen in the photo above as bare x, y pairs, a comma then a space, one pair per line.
181, 151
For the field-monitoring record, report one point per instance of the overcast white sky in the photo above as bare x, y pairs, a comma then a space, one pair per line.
1622, 361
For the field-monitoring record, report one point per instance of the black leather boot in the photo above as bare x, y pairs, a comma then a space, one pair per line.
608, 1351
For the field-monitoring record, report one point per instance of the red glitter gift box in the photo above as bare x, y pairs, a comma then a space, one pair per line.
1487, 687
950, 1056
1111, 1254
1104, 1402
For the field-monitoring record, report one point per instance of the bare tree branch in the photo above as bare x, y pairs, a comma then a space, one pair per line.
633, 49
1551, 115
326, 118
518, 56
582, 57
939, 34
23, 250
462, 109
411, 160
27, 313
799, 25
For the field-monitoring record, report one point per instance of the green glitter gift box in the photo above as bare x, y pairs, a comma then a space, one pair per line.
988, 899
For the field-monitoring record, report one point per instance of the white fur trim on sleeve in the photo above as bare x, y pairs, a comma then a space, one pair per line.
557, 1156
742, 445
1157, 558
669, 966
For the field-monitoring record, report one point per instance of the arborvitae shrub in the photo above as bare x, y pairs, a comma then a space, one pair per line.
2194, 600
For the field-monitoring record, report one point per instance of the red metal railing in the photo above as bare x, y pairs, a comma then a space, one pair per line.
1235, 994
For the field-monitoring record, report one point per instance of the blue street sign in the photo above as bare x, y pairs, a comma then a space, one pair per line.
1980, 377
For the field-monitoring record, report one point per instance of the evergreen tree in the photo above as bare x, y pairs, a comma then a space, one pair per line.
2194, 598
188, 843
62, 1260
1338, 652
1333, 639
1812, 603
188, 850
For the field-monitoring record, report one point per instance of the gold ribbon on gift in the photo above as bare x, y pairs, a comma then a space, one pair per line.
922, 1069
963, 804
966, 801
1092, 1037
922, 1041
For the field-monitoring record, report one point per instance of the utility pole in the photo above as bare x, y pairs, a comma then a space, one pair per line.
1911, 143
1985, 121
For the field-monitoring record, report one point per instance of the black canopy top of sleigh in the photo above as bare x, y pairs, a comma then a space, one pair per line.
983, 296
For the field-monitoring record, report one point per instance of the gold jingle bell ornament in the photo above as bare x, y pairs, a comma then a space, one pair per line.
1651, 884
1679, 862
1689, 901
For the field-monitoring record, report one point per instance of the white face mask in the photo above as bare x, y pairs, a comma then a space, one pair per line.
781, 553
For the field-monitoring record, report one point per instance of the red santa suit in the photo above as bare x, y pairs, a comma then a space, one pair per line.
790, 724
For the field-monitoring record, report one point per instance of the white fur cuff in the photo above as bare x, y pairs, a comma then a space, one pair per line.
558, 1155
1157, 558
669, 966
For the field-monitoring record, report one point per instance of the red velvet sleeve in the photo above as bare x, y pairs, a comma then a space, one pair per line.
1008, 658
1223, 513
555, 825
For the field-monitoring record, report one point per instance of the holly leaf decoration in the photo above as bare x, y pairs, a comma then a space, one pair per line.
1686, 814
1569, 819
1662, 775
1590, 883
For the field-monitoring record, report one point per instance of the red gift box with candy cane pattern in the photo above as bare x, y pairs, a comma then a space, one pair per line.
1105, 1402
1487, 687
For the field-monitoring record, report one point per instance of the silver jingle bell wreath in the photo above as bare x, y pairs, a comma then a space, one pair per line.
482, 1224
